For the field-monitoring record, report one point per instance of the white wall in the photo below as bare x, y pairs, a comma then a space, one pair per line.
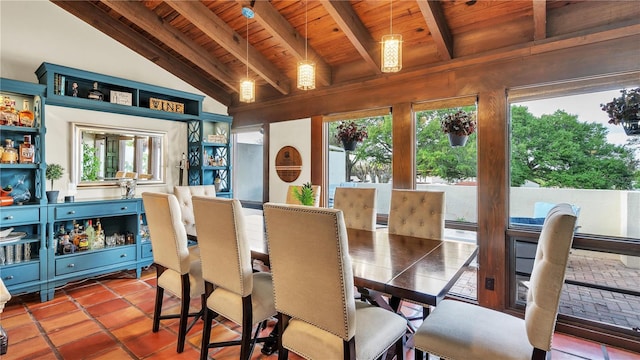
33, 32
296, 133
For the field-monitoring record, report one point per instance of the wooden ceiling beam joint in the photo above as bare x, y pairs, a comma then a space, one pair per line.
436, 22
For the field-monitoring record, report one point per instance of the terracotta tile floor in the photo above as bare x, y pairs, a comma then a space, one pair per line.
110, 318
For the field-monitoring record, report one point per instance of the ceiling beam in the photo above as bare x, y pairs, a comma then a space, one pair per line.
267, 16
434, 17
211, 25
92, 15
146, 19
351, 25
539, 19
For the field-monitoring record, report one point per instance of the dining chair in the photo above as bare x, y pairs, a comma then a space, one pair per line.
184, 195
177, 266
358, 206
458, 330
232, 289
291, 197
314, 294
417, 213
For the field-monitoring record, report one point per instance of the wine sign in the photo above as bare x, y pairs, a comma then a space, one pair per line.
288, 163
166, 105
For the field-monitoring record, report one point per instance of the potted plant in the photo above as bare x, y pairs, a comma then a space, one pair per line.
459, 125
625, 110
349, 133
53, 172
304, 194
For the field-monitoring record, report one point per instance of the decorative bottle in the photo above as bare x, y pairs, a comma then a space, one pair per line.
25, 117
10, 154
98, 243
27, 151
91, 234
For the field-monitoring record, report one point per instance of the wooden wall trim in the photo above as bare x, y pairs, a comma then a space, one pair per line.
403, 147
318, 156
492, 197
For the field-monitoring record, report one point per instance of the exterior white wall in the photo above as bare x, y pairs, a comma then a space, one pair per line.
33, 32
296, 133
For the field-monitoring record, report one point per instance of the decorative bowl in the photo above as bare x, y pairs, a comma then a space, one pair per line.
5, 232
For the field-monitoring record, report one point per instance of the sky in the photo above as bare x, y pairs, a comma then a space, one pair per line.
586, 106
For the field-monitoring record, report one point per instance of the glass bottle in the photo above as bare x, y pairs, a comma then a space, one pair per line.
95, 94
91, 234
27, 151
9, 115
98, 243
25, 117
10, 154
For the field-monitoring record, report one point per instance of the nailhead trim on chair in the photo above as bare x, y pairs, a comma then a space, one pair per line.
306, 209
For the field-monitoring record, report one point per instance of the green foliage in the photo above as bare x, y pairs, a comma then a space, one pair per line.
557, 150
304, 194
90, 163
53, 172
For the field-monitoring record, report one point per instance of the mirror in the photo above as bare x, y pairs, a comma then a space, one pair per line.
102, 155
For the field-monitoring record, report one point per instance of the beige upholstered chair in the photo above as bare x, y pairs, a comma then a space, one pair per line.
358, 206
291, 197
184, 194
417, 213
177, 266
457, 330
314, 292
233, 290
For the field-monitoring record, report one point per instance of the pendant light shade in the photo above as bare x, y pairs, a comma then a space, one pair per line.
306, 68
391, 49
247, 85
306, 75
247, 90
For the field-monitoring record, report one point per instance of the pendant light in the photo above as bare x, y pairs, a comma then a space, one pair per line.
306, 68
247, 85
391, 54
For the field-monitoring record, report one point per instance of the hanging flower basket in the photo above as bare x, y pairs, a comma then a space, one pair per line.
458, 125
349, 133
625, 110
349, 145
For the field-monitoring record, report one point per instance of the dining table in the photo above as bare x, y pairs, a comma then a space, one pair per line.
389, 267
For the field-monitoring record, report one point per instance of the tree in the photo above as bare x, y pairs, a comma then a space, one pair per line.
557, 150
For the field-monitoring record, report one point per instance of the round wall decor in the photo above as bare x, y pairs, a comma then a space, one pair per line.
288, 163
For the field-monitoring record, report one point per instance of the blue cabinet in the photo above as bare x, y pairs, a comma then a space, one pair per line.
23, 254
122, 250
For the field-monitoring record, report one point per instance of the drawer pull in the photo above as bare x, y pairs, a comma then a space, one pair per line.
71, 212
10, 217
71, 265
124, 208
123, 255
9, 277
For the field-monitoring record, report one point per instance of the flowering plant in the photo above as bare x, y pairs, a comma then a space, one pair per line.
459, 123
624, 107
350, 131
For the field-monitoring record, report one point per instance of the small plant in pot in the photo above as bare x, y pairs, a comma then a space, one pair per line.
53, 172
304, 194
625, 110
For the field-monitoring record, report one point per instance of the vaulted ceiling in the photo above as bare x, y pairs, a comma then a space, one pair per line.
205, 42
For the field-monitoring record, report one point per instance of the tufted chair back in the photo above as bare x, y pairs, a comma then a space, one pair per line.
291, 197
184, 194
225, 253
547, 276
311, 243
358, 206
417, 213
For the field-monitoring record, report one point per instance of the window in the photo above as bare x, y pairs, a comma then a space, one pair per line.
248, 164
564, 150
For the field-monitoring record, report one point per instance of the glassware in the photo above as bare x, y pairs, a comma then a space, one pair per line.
10, 154
9, 253
3, 260
27, 151
18, 254
21, 192
26, 116
27, 252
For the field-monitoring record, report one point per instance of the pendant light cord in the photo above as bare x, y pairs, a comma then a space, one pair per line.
247, 47
391, 17
306, 32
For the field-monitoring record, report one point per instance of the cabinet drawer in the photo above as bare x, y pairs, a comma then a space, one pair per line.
16, 215
90, 261
95, 210
147, 252
12, 275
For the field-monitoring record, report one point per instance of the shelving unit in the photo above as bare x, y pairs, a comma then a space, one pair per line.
116, 93
28, 272
210, 152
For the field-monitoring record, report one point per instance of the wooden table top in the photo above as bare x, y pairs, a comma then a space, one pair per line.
416, 269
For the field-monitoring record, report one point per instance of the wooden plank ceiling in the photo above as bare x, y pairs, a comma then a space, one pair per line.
205, 42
